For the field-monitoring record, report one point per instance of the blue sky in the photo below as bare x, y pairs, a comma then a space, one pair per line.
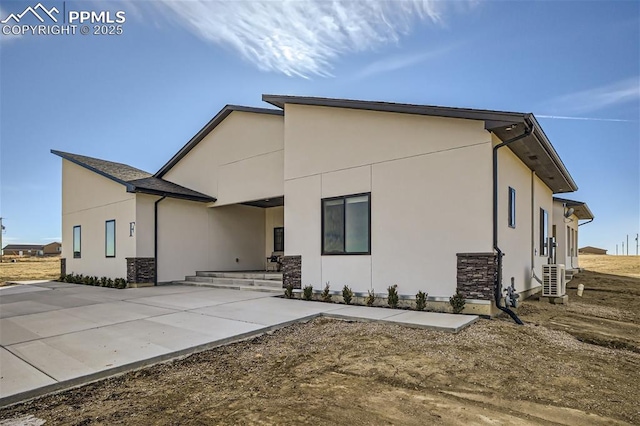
139, 96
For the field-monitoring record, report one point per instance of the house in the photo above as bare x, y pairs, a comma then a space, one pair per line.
367, 194
566, 216
591, 250
51, 249
23, 250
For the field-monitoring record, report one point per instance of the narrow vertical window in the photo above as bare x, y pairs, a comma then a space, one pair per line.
76, 242
346, 225
278, 239
512, 207
568, 240
110, 238
544, 232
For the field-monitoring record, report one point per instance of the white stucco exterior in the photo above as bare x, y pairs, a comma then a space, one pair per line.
429, 179
88, 201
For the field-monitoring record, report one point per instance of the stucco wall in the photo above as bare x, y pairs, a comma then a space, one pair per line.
430, 196
520, 242
193, 237
563, 239
240, 160
89, 200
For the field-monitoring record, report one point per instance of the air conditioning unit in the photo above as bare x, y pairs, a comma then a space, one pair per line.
553, 280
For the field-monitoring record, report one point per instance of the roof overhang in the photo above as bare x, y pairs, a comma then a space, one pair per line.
580, 208
535, 151
212, 124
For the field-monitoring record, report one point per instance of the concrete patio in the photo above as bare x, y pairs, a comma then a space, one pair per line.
58, 335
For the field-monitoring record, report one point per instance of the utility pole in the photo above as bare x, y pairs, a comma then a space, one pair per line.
623, 248
627, 244
616, 249
636, 244
1, 232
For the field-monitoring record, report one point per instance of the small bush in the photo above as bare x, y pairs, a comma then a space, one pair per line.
326, 296
288, 291
392, 298
457, 302
421, 301
109, 283
307, 292
347, 294
371, 298
103, 282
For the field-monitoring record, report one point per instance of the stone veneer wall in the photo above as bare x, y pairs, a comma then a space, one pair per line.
292, 271
141, 269
477, 274
63, 266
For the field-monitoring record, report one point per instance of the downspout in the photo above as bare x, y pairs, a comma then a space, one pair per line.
155, 240
498, 282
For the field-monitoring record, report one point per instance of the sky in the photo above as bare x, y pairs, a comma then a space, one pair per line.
139, 96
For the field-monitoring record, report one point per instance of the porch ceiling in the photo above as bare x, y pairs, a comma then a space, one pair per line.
266, 203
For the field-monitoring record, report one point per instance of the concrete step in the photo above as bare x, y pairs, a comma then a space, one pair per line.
273, 290
275, 276
235, 281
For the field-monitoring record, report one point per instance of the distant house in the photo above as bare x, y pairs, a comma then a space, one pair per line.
591, 250
50, 249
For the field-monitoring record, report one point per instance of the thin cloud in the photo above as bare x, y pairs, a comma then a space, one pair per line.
598, 98
301, 38
396, 62
560, 117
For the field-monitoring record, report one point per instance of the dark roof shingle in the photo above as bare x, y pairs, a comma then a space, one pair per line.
135, 180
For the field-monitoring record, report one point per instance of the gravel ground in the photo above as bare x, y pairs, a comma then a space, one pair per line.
568, 365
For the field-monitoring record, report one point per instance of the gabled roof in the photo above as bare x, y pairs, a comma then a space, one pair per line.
212, 124
534, 150
580, 208
135, 180
23, 247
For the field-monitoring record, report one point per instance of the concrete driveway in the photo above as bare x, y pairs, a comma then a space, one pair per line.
57, 335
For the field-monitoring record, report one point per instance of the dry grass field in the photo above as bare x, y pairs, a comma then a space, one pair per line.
575, 364
29, 268
618, 265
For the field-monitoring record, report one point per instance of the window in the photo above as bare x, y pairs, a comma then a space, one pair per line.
346, 224
278, 239
544, 231
512, 207
76, 242
110, 238
568, 241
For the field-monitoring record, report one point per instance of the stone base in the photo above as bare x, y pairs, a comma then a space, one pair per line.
292, 271
562, 300
63, 266
140, 270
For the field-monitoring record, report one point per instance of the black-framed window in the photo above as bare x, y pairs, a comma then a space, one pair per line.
77, 240
512, 207
346, 224
544, 232
278, 239
110, 238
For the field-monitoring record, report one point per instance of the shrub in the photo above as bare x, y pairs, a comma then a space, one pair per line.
288, 291
421, 301
392, 298
307, 292
121, 283
96, 281
371, 298
347, 294
103, 282
326, 296
457, 302
109, 283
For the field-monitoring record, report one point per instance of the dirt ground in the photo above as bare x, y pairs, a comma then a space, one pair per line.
619, 265
29, 268
577, 364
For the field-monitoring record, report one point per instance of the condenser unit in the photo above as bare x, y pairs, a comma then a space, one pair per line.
553, 280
